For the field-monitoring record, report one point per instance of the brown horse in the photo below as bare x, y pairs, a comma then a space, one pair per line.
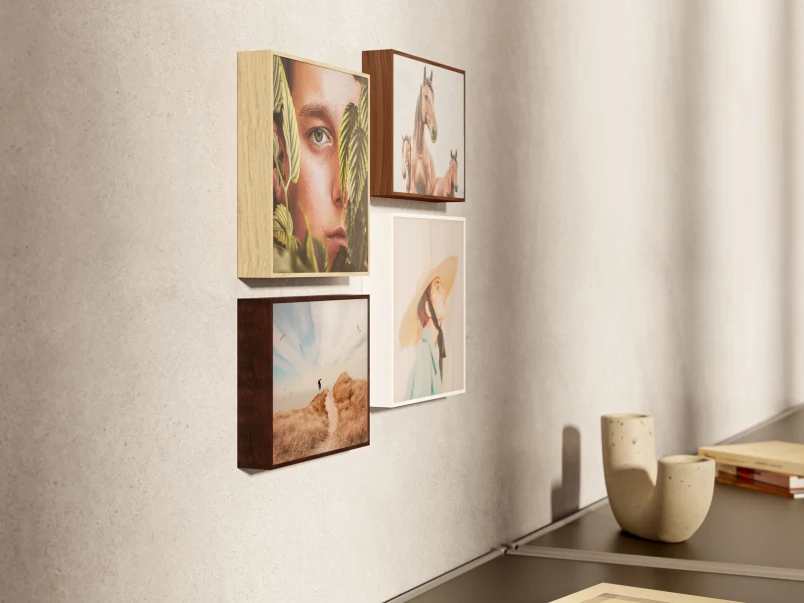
448, 185
406, 161
422, 165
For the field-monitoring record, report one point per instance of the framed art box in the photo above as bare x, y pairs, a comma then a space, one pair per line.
302, 378
418, 126
419, 309
614, 593
303, 148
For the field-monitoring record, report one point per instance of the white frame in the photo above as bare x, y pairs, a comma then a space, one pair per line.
382, 310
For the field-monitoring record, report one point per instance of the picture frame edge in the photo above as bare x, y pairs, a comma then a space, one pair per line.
250, 441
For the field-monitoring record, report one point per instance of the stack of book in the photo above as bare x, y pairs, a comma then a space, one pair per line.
773, 467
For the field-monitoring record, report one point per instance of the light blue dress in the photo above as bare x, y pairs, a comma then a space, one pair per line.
424, 379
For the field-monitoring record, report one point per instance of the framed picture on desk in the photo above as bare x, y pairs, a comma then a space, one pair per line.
615, 593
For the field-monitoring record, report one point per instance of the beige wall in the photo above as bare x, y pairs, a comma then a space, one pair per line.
633, 244
655, 232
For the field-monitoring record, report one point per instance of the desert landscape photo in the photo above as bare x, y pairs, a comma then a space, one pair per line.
320, 378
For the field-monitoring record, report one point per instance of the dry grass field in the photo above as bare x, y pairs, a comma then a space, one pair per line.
351, 399
304, 432
298, 432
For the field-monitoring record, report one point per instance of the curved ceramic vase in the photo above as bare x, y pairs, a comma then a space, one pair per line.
668, 505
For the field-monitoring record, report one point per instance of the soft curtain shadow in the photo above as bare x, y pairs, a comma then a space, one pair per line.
789, 322
689, 84
697, 98
566, 496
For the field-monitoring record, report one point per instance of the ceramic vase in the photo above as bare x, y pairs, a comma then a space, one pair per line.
665, 501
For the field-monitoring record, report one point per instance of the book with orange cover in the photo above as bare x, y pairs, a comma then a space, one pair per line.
780, 457
731, 480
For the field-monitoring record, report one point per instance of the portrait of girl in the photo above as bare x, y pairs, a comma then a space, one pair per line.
429, 359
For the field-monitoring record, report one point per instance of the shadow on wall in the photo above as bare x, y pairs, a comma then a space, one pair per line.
566, 496
290, 282
790, 211
690, 191
702, 238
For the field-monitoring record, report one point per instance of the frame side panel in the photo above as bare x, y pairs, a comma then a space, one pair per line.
378, 64
254, 158
254, 384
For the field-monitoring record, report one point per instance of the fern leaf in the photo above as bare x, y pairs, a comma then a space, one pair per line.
283, 102
345, 137
363, 106
283, 228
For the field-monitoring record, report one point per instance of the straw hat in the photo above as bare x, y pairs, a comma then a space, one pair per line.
410, 330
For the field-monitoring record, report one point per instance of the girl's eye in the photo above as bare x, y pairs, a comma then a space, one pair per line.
319, 136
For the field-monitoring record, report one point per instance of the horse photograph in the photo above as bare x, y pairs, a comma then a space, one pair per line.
428, 116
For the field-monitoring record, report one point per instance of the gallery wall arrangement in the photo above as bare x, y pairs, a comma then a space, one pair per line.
303, 377
314, 141
418, 127
303, 147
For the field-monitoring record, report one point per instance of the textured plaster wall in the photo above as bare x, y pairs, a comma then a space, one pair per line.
632, 243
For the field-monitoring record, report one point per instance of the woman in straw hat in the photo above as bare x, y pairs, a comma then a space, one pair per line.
421, 328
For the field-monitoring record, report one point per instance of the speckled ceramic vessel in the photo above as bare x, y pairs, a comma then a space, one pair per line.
666, 502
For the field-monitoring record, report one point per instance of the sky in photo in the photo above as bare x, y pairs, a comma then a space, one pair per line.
317, 340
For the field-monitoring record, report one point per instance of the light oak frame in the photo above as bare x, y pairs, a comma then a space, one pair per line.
255, 202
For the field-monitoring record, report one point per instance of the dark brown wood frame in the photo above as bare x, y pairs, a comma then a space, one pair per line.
379, 65
255, 380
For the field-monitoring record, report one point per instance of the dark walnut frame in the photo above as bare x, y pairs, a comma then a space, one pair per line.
255, 380
379, 65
